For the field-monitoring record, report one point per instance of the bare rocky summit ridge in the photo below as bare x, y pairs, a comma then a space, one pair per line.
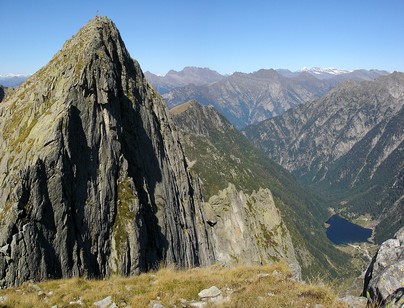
93, 178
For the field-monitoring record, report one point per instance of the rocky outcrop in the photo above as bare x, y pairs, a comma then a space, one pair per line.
93, 180
384, 277
248, 229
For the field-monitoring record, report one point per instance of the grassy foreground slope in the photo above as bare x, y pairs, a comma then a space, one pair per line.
247, 286
220, 154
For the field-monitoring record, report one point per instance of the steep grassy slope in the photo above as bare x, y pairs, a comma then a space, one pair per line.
220, 154
259, 286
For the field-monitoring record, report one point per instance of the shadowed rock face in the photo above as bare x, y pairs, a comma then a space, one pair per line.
92, 175
2, 93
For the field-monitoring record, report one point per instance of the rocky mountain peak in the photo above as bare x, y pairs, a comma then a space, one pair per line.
96, 51
95, 33
93, 179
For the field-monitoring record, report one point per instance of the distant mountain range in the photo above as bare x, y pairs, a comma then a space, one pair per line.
189, 75
12, 80
349, 144
250, 98
328, 73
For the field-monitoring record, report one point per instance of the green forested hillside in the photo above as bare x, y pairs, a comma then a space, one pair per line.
220, 154
348, 146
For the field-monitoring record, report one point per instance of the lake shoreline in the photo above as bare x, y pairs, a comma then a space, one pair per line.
341, 231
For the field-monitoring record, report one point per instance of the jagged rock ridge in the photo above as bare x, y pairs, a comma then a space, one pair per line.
250, 98
93, 180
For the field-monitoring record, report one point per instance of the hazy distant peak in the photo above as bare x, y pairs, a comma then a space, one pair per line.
320, 70
11, 75
188, 75
12, 80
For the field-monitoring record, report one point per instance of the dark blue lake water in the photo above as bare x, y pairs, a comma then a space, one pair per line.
342, 231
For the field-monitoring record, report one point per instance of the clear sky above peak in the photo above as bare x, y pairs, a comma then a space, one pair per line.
226, 36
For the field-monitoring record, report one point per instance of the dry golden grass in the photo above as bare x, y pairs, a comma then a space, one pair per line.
246, 286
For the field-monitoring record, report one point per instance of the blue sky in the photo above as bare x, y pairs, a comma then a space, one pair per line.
223, 35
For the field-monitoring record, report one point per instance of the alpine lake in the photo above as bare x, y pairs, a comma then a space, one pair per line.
341, 231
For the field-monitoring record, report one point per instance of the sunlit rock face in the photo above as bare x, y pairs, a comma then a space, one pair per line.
93, 180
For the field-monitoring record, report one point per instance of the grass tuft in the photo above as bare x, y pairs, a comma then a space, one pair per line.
245, 286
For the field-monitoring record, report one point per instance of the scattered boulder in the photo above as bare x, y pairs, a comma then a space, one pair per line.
213, 295
104, 302
35, 287
77, 302
210, 293
354, 301
384, 276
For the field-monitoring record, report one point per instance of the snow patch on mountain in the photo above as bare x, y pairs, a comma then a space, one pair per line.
320, 70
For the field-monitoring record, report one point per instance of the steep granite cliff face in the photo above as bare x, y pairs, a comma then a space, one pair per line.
249, 229
349, 144
93, 180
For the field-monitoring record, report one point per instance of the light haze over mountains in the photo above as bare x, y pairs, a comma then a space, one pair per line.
249, 98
